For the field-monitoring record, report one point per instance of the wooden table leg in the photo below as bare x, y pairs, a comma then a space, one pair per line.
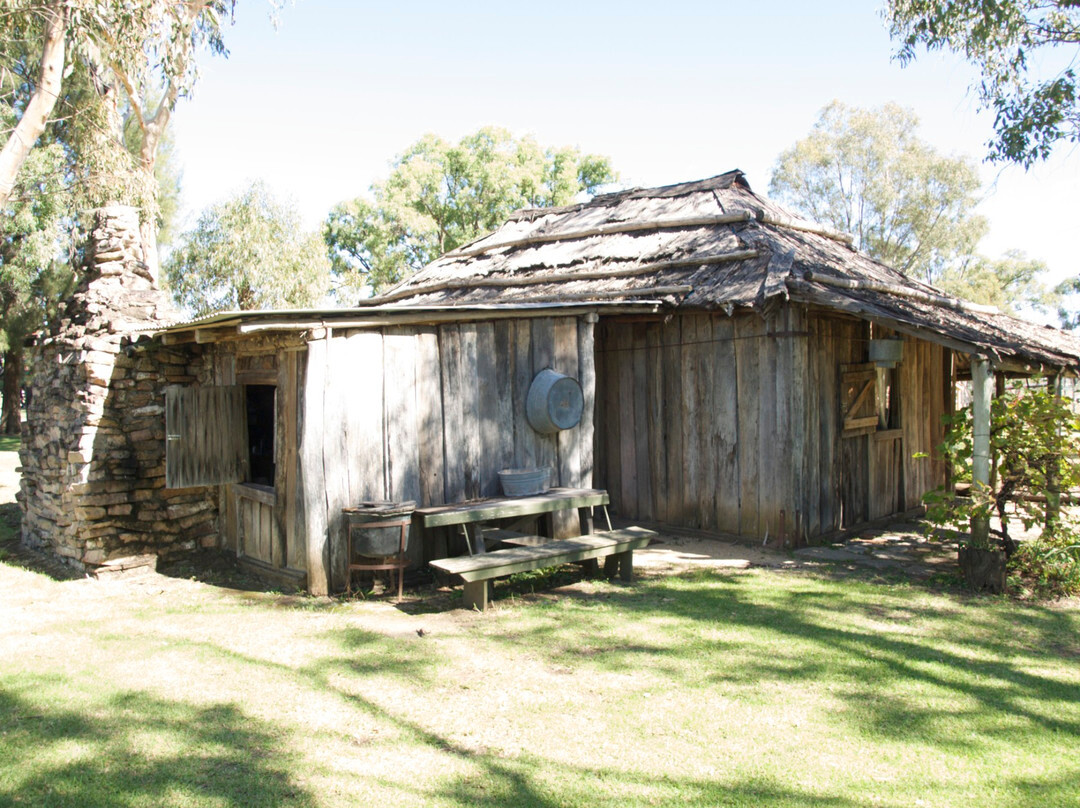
476, 595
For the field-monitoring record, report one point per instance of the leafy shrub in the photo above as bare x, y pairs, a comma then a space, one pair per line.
1035, 448
1047, 567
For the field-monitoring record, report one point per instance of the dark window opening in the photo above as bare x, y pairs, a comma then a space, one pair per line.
260, 428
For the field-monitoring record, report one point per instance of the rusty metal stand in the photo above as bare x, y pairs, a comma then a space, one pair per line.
399, 563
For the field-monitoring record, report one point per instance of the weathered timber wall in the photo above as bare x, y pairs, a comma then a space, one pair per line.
431, 414
425, 413
722, 423
695, 422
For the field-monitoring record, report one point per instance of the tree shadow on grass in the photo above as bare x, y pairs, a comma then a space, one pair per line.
136, 749
977, 669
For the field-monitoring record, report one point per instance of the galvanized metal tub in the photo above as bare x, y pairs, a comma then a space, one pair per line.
524, 482
555, 402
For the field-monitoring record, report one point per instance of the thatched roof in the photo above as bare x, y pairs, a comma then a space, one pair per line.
712, 244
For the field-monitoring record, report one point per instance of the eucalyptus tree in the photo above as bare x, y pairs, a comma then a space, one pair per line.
440, 195
33, 276
248, 252
136, 60
1025, 52
867, 173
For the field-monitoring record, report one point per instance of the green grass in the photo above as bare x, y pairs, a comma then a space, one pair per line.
9, 443
756, 689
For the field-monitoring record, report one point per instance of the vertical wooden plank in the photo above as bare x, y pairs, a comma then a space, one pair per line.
336, 401
609, 411
796, 368
226, 370
361, 369
673, 422
489, 456
565, 524
628, 423
402, 449
691, 428
297, 519
286, 471
638, 367
748, 373
277, 549
587, 376
429, 422
470, 410
782, 457
567, 441
656, 416
525, 437
769, 472
313, 478
705, 410
285, 446
726, 408
453, 420
543, 356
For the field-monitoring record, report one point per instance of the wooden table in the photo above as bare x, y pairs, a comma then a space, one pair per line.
471, 515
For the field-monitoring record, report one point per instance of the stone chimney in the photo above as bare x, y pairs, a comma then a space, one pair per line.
93, 445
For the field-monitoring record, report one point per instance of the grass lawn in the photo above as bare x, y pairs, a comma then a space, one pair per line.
756, 688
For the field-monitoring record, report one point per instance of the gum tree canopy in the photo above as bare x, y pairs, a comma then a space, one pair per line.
248, 252
1024, 51
441, 195
135, 59
866, 172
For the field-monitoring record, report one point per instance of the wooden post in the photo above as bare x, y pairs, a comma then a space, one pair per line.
312, 478
1053, 479
982, 387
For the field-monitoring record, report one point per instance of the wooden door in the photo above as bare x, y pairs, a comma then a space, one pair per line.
871, 473
859, 419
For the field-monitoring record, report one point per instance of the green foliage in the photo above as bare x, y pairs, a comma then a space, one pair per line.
1009, 282
440, 196
1049, 567
1035, 449
247, 253
1017, 47
32, 277
126, 64
867, 173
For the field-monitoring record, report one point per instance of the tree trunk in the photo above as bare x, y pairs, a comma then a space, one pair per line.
11, 410
32, 123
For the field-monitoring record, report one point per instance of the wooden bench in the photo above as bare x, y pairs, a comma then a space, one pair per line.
615, 546
470, 516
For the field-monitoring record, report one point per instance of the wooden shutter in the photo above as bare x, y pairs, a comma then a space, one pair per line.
858, 402
206, 436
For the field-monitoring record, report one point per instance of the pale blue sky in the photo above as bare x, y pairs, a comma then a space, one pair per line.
669, 91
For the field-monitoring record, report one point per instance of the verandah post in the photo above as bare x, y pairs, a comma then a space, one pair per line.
982, 391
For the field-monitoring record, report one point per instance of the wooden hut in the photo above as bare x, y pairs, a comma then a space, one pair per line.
297, 415
736, 387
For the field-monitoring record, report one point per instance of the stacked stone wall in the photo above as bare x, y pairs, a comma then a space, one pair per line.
93, 448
